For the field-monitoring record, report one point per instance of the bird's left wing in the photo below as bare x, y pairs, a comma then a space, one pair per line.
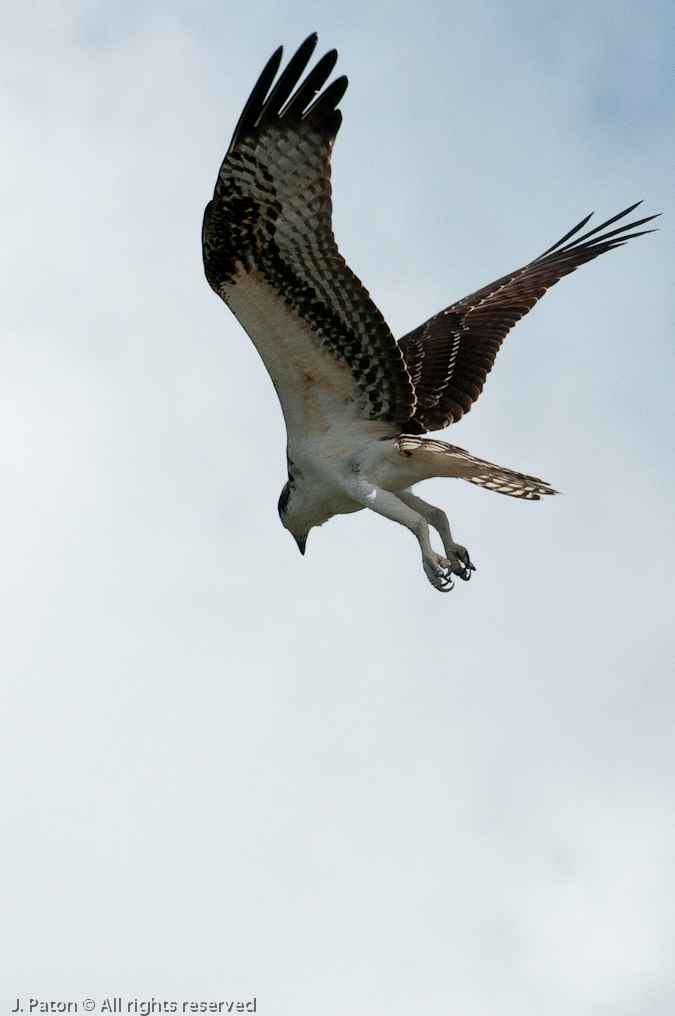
268, 240
450, 356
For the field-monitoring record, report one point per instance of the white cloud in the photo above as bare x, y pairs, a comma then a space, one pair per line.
233, 771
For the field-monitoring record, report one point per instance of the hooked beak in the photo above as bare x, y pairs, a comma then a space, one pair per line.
301, 541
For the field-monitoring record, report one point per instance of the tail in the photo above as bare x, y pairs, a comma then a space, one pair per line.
436, 458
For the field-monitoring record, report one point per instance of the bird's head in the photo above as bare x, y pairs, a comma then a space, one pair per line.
292, 514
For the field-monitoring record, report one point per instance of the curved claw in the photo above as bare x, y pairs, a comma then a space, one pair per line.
464, 572
462, 565
439, 572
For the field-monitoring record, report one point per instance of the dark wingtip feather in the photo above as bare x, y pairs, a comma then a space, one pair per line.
621, 229
614, 218
289, 78
601, 242
620, 240
567, 236
254, 103
608, 222
269, 101
312, 84
328, 99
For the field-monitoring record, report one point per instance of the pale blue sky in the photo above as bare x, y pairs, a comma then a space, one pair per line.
230, 771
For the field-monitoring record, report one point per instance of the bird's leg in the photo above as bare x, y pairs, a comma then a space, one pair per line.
438, 570
457, 555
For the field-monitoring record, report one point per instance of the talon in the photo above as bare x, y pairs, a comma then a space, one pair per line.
461, 562
439, 573
465, 573
444, 572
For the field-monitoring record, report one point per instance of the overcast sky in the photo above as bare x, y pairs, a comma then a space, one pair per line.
231, 772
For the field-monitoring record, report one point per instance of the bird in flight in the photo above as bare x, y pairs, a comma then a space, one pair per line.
355, 400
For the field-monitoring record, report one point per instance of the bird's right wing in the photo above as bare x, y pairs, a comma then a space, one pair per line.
451, 354
270, 253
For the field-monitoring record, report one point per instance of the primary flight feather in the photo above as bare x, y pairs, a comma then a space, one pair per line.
355, 400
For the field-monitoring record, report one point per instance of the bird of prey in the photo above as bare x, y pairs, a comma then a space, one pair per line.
355, 400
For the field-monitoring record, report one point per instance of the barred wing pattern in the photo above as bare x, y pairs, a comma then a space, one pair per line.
270, 218
451, 354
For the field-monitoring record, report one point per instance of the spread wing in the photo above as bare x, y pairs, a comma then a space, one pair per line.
451, 354
270, 253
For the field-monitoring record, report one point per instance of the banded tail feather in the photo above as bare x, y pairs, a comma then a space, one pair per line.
449, 460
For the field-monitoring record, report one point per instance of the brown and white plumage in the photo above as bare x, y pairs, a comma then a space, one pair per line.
270, 221
354, 399
454, 351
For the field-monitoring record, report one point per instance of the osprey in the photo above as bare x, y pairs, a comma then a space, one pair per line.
356, 400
